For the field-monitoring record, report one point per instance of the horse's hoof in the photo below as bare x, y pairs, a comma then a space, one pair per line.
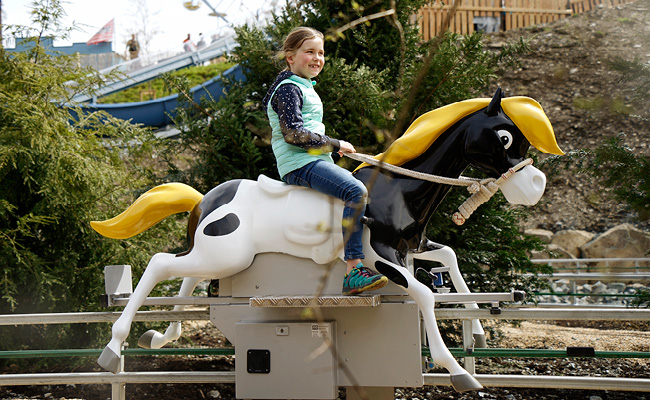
465, 382
109, 361
479, 341
146, 339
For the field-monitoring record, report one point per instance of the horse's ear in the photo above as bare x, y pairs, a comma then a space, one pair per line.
495, 105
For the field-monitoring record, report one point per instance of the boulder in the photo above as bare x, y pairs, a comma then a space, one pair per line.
598, 288
617, 287
571, 240
622, 241
553, 251
542, 234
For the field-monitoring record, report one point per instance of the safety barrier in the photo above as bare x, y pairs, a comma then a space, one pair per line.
188, 377
230, 351
572, 271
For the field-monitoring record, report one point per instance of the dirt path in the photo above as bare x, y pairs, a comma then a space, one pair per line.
534, 335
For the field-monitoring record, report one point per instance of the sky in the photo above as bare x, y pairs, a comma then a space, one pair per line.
165, 23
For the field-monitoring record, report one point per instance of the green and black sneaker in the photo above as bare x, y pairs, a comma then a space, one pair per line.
361, 279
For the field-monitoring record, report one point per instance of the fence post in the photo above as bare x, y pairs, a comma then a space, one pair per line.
468, 346
118, 390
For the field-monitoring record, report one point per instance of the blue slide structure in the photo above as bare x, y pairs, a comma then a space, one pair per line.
155, 113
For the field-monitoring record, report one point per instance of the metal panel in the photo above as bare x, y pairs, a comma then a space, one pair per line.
274, 274
298, 366
380, 346
311, 301
117, 279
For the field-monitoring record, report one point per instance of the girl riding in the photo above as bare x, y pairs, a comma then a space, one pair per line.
304, 153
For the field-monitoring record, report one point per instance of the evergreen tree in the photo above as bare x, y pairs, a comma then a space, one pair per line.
371, 70
368, 73
58, 173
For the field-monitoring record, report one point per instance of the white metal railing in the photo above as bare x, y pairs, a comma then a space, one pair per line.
603, 269
437, 379
581, 262
524, 381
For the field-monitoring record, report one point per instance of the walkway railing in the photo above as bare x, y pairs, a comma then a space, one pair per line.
146, 68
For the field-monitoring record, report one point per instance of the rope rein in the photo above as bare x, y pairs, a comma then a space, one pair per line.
481, 189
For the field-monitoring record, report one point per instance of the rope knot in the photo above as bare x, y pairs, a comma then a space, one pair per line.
475, 187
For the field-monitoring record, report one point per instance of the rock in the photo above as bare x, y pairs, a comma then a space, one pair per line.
214, 394
571, 240
618, 287
553, 251
560, 287
598, 288
557, 299
622, 241
542, 234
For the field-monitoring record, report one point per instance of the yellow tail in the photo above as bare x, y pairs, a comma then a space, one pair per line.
149, 209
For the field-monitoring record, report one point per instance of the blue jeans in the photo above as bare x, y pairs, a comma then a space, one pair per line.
332, 180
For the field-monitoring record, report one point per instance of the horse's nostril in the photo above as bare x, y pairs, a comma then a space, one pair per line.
539, 183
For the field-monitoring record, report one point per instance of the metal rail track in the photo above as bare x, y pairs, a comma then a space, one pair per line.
438, 379
529, 313
191, 377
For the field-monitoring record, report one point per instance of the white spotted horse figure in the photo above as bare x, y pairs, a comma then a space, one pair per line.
241, 218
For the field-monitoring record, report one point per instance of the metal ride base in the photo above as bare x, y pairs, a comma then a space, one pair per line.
371, 341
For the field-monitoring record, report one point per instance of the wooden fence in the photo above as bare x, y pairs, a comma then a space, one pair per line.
499, 15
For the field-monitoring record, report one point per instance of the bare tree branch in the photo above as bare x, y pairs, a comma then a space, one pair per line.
337, 33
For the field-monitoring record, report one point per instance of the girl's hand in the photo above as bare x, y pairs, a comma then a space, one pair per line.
346, 147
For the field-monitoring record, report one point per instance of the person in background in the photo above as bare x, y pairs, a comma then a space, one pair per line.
133, 47
188, 44
201, 43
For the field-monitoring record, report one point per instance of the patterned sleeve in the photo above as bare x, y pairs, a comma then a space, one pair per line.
287, 102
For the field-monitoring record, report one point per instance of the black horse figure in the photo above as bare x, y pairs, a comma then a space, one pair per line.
241, 218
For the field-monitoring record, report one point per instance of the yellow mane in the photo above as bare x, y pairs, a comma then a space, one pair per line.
526, 113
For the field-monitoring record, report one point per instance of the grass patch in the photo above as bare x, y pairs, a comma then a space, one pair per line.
155, 88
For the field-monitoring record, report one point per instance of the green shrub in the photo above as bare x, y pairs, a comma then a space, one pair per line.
56, 175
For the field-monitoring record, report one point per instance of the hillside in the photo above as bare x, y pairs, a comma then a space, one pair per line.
568, 72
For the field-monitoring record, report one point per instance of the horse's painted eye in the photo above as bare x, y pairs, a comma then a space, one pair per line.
506, 138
